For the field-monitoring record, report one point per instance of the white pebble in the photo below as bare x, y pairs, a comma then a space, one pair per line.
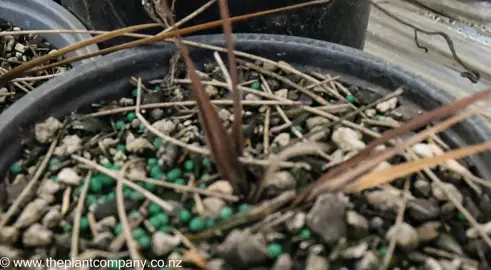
440, 194
423, 150
20, 48
69, 176
387, 105
163, 243
165, 126
347, 139
46, 130
283, 139
282, 93
211, 90
221, 186
138, 145
37, 235
31, 213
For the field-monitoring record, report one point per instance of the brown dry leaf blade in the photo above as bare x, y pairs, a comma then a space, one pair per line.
220, 142
20, 70
388, 175
367, 153
237, 133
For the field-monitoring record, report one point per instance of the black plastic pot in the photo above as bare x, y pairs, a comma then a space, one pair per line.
339, 21
108, 79
46, 15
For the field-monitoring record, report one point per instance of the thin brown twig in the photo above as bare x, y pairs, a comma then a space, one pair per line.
78, 216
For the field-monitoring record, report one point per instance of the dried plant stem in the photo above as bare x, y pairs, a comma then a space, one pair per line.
284, 80
39, 78
191, 103
4, 71
37, 175
181, 188
267, 120
130, 242
330, 79
242, 88
78, 215
399, 220
297, 133
65, 204
166, 206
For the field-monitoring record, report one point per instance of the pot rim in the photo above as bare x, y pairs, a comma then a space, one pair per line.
47, 15
110, 74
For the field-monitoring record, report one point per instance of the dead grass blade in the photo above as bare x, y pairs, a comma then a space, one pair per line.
22, 69
367, 159
237, 133
388, 175
220, 142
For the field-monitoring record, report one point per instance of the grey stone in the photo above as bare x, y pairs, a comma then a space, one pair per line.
52, 218
428, 231
9, 235
423, 210
37, 235
384, 200
448, 242
103, 240
316, 262
213, 206
10, 252
439, 193
355, 252
327, 217
243, 248
282, 180
284, 262
296, 223
217, 264
432, 264
356, 220
316, 121
48, 187
423, 187
163, 243
404, 235
369, 262
31, 213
